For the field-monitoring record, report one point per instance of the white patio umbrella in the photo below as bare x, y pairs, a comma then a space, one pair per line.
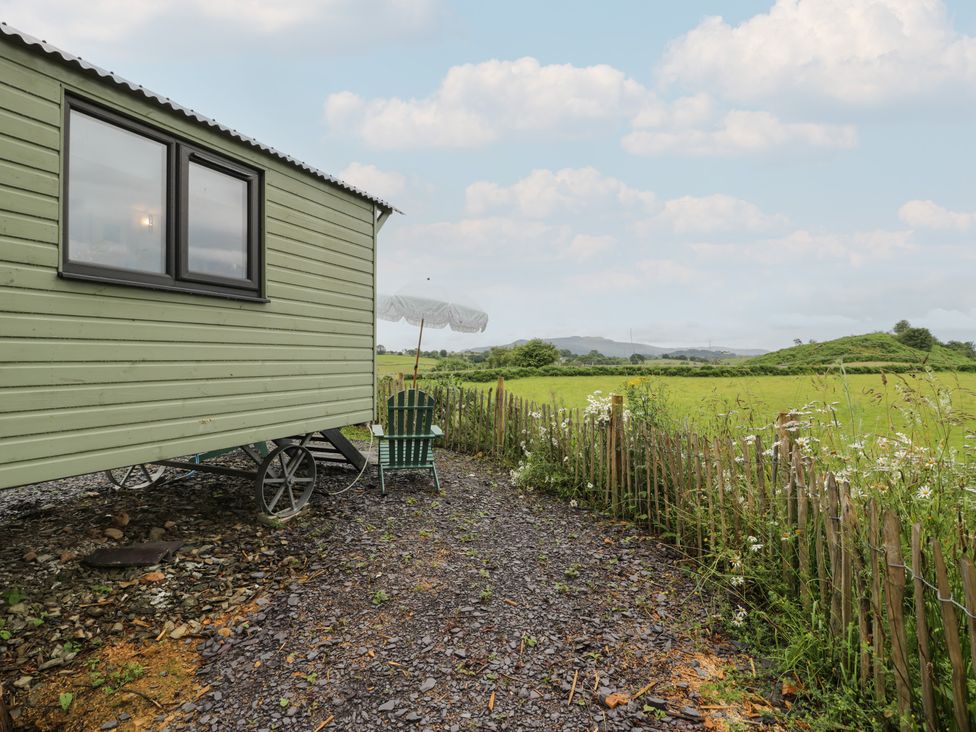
427, 304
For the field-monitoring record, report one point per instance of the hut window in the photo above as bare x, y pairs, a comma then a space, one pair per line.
145, 208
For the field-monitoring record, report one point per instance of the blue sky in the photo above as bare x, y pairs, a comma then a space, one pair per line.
739, 174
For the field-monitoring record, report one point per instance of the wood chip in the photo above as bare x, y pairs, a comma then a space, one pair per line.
617, 699
573, 690
325, 724
644, 689
510, 602
491, 702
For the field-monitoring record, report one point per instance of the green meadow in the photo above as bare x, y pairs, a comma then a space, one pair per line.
871, 403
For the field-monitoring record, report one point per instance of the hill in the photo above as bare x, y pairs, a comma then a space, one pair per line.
876, 349
581, 345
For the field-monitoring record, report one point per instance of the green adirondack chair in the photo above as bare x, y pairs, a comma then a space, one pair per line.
408, 444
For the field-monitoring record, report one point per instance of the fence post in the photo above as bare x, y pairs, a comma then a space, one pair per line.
967, 572
500, 416
922, 631
895, 574
615, 452
953, 645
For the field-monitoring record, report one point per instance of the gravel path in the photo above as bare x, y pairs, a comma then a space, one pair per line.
484, 607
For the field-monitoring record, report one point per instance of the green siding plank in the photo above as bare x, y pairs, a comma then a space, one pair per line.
25, 177
24, 128
53, 467
286, 302
29, 155
19, 350
19, 70
315, 281
294, 263
40, 302
22, 424
21, 226
26, 203
87, 395
33, 447
320, 297
312, 212
37, 327
314, 252
21, 251
292, 181
28, 104
61, 374
327, 241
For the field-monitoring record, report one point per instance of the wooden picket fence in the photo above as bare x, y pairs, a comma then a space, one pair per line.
896, 608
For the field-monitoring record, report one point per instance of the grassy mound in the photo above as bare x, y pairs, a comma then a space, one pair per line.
874, 349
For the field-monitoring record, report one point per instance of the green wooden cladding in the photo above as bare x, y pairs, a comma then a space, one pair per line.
96, 376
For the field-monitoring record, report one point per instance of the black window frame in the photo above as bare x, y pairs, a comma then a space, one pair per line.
180, 152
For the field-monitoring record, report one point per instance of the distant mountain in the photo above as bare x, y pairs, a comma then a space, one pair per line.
581, 345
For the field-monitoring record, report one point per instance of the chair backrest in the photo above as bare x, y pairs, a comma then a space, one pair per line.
409, 415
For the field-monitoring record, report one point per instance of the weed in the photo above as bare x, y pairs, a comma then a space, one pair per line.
562, 588
483, 573
64, 699
14, 596
572, 572
379, 597
485, 595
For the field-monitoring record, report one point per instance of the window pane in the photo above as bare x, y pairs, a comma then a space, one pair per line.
217, 223
116, 197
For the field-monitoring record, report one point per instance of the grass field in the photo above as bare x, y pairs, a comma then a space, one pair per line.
758, 399
863, 401
390, 365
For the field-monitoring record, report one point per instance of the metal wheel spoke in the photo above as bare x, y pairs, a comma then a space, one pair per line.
128, 473
145, 472
274, 501
289, 467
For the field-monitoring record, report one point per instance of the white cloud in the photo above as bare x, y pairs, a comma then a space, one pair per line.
715, 213
371, 179
543, 193
478, 103
856, 52
587, 246
803, 247
736, 132
106, 30
490, 238
645, 272
930, 215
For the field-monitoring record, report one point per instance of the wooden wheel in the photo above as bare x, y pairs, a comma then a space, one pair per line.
136, 476
285, 481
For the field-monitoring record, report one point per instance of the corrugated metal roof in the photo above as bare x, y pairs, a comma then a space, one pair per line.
77, 62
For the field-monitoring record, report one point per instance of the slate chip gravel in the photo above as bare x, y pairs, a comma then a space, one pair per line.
472, 609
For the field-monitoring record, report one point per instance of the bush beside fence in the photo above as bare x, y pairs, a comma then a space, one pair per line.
889, 603
488, 375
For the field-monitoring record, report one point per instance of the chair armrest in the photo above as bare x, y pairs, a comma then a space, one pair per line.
436, 431
377, 430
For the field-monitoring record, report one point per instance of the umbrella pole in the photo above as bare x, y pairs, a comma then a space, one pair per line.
416, 361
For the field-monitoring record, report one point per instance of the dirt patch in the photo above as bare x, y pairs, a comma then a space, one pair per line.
125, 684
